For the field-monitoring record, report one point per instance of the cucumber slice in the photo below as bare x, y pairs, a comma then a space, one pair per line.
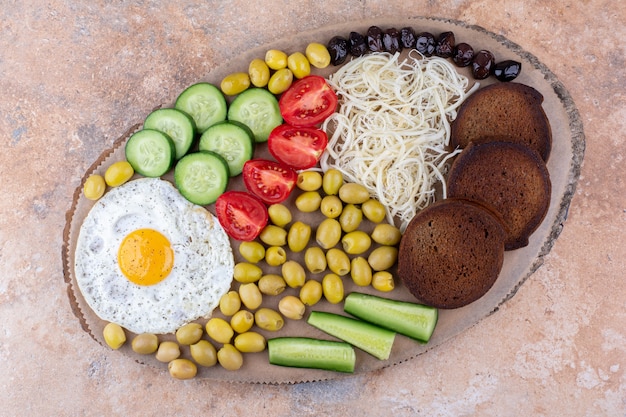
201, 177
232, 140
258, 109
372, 339
175, 123
151, 153
205, 103
304, 352
410, 319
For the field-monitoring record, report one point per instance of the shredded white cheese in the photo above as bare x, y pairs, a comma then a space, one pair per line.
392, 127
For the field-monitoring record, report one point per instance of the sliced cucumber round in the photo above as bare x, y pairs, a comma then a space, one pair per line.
258, 109
201, 177
177, 124
151, 153
232, 140
205, 103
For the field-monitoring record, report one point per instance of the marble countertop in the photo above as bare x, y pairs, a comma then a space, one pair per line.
75, 76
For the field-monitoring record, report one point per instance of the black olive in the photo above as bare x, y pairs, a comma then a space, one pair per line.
358, 44
391, 41
338, 49
482, 64
463, 54
407, 37
375, 39
445, 45
425, 43
507, 70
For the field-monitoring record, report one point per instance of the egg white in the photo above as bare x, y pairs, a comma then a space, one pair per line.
203, 259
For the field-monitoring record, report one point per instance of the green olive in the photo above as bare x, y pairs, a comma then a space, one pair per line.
275, 256
350, 218
311, 292
291, 307
230, 303
280, 81
332, 287
299, 65
328, 233
318, 55
356, 242
353, 193
145, 343
219, 330
252, 251
332, 181
309, 180
250, 295
189, 334
338, 261
315, 260
242, 321
276, 59
204, 353
279, 214
298, 236
383, 257
235, 83
229, 357
114, 335
168, 351
383, 281
293, 274
374, 210
259, 72
94, 187
271, 284
268, 319
118, 173
182, 368
246, 272
250, 342
386, 234
331, 206
273, 235
308, 201
360, 271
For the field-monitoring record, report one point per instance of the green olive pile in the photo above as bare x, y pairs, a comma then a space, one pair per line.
202, 351
115, 175
339, 248
277, 70
482, 62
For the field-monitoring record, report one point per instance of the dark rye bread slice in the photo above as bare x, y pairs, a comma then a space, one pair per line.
451, 253
503, 111
510, 179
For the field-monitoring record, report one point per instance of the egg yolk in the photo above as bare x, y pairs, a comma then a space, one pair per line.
145, 257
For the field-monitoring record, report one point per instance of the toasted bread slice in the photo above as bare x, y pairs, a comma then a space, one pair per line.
451, 253
510, 112
510, 178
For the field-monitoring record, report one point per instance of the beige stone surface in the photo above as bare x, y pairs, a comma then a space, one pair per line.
75, 75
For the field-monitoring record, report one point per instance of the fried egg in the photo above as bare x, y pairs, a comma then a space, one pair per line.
151, 261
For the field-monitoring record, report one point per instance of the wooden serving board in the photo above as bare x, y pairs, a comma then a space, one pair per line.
564, 167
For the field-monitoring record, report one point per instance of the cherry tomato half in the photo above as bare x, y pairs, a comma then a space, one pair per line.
271, 181
298, 147
308, 102
241, 214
